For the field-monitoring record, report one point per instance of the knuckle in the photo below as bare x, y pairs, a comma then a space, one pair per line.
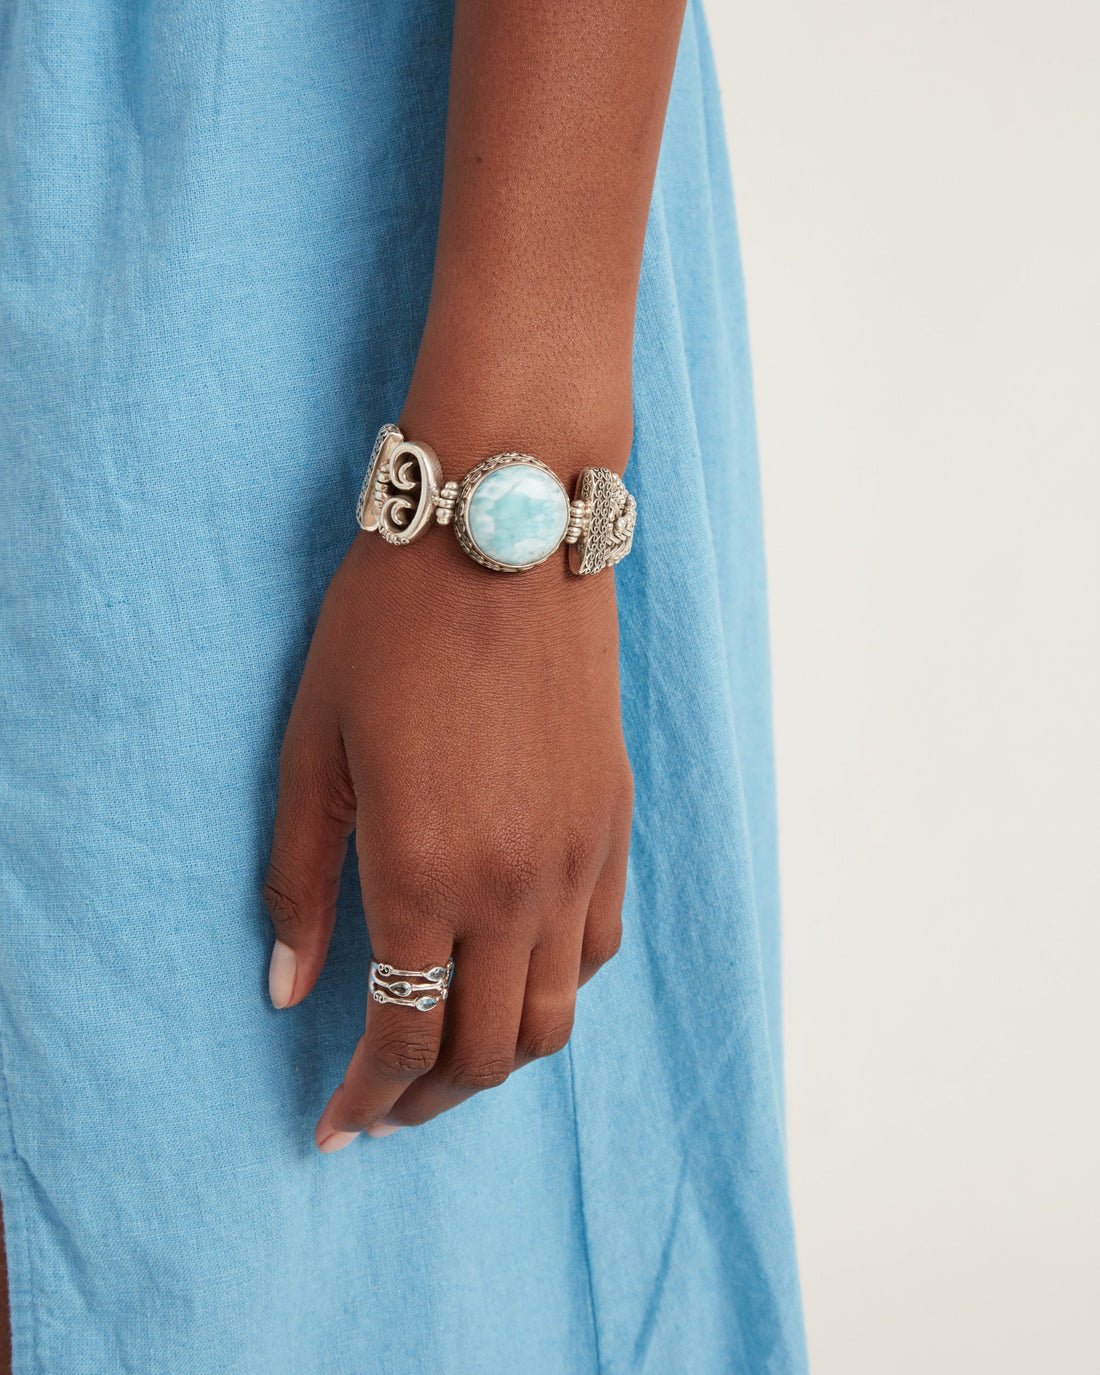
313, 776
577, 863
474, 1075
626, 793
513, 875
357, 1109
404, 1055
603, 945
415, 879
547, 1038
286, 900
620, 802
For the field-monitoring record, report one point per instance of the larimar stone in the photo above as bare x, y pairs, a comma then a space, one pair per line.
517, 515
426, 1004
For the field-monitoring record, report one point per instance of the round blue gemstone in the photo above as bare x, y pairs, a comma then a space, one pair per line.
517, 515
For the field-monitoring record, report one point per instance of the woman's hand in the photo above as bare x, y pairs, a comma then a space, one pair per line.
466, 725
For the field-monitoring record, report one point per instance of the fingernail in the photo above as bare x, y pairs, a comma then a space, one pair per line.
336, 1142
384, 1128
280, 974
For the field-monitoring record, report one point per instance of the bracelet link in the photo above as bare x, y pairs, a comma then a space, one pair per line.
608, 531
369, 507
402, 488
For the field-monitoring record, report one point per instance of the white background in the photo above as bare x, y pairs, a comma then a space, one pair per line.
919, 200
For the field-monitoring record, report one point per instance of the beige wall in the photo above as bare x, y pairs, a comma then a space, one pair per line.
919, 198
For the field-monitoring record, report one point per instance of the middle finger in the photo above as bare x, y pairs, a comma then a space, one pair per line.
482, 1026
399, 1044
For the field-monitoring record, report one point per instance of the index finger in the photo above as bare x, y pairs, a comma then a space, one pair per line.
400, 1043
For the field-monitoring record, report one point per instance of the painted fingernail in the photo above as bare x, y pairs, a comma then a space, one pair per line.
336, 1142
280, 974
384, 1128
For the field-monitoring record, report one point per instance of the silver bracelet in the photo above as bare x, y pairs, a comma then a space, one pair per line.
509, 513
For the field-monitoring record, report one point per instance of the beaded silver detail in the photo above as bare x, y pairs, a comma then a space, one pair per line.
445, 506
579, 515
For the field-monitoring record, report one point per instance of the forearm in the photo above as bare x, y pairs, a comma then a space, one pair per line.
554, 128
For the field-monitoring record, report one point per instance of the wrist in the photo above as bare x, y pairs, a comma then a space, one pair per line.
473, 398
434, 582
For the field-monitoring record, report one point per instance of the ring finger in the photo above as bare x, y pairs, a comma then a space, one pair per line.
400, 1043
482, 1027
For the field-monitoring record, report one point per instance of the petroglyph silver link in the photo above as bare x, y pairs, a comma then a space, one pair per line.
509, 513
401, 490
420, 989
605, 530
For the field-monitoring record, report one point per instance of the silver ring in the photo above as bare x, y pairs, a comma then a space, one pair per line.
421, 989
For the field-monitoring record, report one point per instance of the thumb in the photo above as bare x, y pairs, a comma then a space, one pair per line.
314, 817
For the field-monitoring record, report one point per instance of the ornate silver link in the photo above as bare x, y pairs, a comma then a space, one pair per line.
608, 530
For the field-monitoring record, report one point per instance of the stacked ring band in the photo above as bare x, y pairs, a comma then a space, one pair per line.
420, 989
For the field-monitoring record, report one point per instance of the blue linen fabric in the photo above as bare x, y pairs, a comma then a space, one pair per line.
217, 223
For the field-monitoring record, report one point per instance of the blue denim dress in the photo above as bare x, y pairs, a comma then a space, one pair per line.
217, 223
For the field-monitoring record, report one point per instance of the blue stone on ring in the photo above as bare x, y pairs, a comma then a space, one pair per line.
517, 515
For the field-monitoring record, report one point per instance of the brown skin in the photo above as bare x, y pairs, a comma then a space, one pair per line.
466, 724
